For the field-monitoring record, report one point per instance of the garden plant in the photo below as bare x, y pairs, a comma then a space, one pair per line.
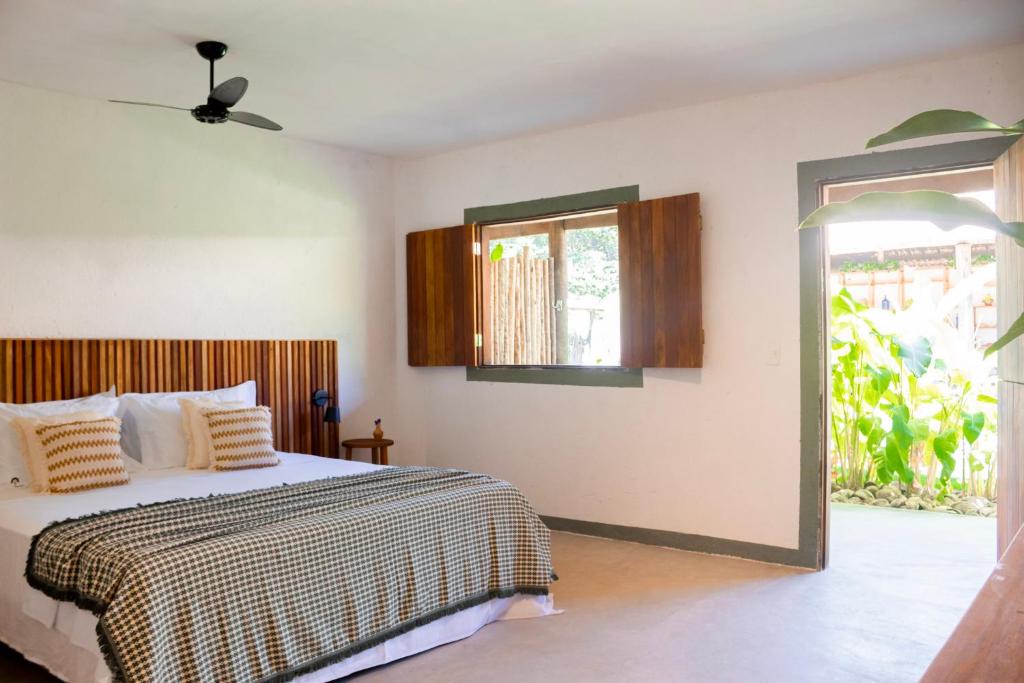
912, 412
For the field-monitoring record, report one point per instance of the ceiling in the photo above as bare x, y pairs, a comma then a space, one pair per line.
419, 76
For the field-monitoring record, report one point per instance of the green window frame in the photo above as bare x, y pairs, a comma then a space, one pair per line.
568, 375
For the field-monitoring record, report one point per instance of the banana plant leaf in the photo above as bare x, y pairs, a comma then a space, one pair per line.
945, 445
916, 354
942, 209
972, 425
942, 122
1015, 330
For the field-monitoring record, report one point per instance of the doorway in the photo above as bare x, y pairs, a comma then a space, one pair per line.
813, 179
911, 396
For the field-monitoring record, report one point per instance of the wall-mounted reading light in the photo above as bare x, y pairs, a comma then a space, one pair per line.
320, 399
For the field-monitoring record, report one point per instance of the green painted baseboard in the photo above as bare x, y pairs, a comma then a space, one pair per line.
681, 541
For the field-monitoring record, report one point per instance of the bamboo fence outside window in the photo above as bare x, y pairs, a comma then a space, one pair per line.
522, 310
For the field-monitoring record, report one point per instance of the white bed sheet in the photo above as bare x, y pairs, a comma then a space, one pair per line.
62, 637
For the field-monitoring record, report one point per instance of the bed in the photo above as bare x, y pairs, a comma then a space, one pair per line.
309, 568
62, 637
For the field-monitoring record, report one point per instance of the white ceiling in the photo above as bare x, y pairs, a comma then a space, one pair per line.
417, 76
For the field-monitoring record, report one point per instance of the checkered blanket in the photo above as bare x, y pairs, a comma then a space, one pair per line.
269, 584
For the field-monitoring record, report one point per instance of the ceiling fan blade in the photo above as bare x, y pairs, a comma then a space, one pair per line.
149, 104
253, 120
230, 91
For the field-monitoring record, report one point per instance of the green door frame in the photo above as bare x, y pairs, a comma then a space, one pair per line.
812, 176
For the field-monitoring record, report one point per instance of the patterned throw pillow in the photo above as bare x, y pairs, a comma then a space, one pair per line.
75, 453
240, 438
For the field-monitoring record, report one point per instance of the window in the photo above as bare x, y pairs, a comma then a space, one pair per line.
551, 291
585, 289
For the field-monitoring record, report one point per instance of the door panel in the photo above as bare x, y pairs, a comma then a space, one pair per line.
1008, 175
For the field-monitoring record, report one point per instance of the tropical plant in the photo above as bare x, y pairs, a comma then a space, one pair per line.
900, 411
860, 377
946, 211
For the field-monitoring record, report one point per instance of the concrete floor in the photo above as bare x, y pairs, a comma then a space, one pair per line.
897, 585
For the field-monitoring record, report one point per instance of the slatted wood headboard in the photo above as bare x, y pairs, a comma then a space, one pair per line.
287, 372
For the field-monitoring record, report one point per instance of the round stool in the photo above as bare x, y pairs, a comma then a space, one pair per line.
378, 449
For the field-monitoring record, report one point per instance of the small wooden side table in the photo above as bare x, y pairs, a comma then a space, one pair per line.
378, 449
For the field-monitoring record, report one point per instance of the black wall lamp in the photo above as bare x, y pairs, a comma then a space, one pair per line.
320, 399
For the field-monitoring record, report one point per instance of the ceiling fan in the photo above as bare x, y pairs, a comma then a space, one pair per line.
221, 98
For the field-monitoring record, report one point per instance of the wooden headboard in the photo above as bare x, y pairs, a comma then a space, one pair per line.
287, 372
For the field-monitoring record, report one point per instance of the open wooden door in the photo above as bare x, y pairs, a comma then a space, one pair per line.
1009, 186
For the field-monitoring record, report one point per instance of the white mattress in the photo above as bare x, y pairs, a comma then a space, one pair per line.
62, 637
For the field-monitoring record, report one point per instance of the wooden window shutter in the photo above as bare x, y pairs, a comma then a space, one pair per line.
660, 283
440, 275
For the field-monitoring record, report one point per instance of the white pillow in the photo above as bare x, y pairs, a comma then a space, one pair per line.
197, 429
151, 424
12, 464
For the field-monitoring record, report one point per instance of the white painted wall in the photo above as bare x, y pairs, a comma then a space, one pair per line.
121, 221
712, 452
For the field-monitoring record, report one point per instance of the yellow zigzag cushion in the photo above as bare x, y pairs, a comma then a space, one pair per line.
240, 438
75, 452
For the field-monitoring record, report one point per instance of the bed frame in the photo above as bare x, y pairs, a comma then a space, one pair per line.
287, 372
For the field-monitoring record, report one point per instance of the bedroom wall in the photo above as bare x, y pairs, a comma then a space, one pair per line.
120, 221
712, 452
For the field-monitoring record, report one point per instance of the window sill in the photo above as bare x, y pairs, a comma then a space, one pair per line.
567, 375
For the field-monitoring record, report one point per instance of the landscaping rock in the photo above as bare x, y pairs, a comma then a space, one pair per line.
895, 495
964, 507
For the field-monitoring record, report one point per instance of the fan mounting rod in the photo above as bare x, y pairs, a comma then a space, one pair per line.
211, 51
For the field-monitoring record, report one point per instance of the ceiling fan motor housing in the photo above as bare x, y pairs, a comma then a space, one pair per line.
210, 113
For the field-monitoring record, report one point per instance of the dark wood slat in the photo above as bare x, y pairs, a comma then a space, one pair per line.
287, 373
660, 282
